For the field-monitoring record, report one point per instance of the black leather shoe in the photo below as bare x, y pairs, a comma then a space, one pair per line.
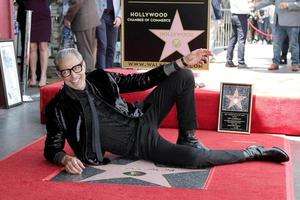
188, 138
283, 60
274, 154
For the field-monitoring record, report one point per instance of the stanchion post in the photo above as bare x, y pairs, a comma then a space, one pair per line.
26, 55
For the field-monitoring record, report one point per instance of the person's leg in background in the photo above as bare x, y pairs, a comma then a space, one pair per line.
112, 36
299, 44
107, 36
213, 37
33, 58
101, 44
266, 29
260, 26
284, 51
86, 43
242, 28
293, 33
279, 35
270, 32
250, 33
43, 50
232, 42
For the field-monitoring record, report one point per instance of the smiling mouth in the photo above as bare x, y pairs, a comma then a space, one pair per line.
75, 80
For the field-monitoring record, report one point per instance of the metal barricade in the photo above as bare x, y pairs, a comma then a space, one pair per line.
224, 30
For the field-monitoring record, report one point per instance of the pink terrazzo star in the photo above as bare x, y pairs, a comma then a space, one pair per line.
176, 38
140, 169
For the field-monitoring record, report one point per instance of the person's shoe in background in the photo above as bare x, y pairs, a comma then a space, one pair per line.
242, 65
283, 60
230, 64
295, 67
274, 67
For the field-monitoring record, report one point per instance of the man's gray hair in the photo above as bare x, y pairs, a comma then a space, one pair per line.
64, 53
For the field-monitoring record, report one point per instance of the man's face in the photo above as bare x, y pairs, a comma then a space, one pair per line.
72, 71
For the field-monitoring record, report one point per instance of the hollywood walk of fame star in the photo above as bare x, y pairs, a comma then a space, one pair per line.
176, 38
235, 100
140, 169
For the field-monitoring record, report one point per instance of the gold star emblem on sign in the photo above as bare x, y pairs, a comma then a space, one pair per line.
176, 43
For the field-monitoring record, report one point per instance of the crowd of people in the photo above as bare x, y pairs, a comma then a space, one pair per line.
261, 25
94, 25
282, 20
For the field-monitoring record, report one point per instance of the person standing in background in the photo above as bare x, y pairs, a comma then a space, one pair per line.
251, 34
240, 10
107, 32
286, 23
216, 16
263, 24
82, 18
39, 37
285, 45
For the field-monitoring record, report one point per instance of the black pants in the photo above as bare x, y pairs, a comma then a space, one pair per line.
179, 89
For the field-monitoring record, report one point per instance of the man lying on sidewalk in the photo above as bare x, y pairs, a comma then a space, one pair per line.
90, 113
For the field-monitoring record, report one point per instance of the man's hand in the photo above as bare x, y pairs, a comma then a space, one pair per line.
67, 23
197, 57
117, 22
283, 6
72, 164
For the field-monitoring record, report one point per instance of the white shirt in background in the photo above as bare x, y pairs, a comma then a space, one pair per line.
239, 6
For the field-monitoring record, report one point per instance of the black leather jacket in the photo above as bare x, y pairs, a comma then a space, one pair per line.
64, 113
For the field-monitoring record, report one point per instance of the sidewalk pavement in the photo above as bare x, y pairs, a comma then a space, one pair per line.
258, 57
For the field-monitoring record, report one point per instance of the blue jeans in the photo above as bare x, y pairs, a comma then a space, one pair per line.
279, 35
239, 34
107, 36
263, 26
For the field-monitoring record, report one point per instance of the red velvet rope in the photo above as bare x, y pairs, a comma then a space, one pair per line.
259, 31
